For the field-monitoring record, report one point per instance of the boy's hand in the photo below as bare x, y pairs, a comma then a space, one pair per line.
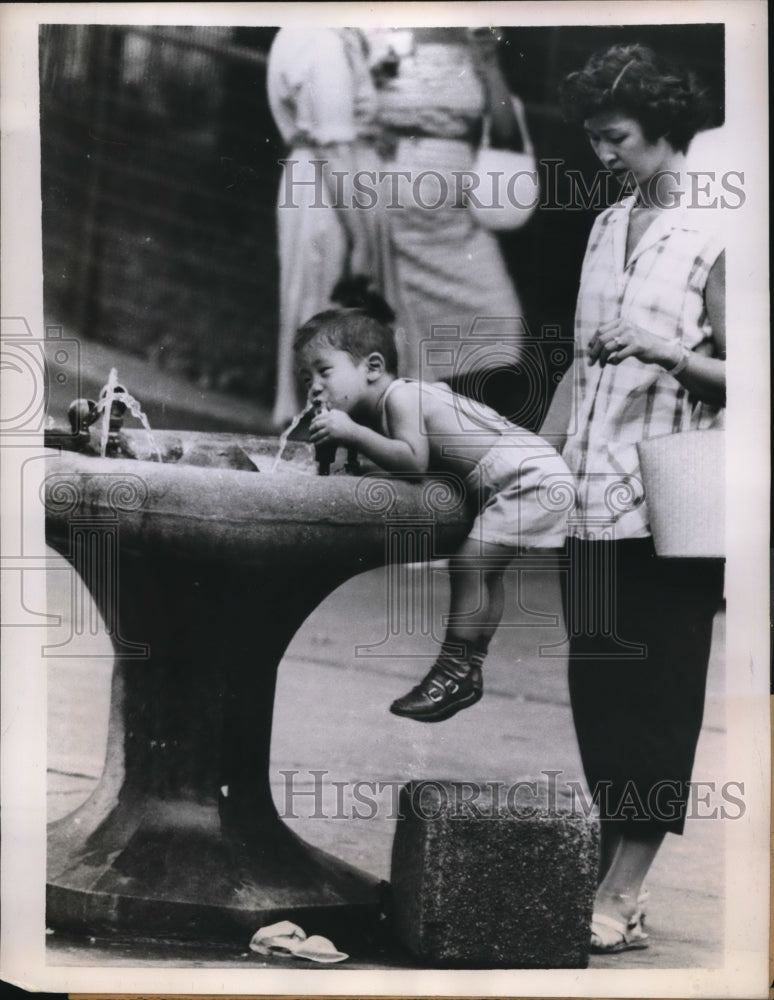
333, 425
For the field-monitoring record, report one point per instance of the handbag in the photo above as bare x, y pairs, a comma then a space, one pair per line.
684, 479
508, 191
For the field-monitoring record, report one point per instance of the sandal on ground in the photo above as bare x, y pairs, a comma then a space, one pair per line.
640, 914
611, 934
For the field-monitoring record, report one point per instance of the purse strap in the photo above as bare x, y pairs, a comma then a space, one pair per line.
521, 120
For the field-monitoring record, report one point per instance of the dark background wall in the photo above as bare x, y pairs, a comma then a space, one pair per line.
159, 180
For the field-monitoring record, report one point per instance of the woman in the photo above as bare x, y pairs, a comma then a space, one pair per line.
322, 97
650, 350
439, 87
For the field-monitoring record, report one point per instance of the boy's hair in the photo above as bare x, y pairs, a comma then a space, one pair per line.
353, 331
355, 292
633, 79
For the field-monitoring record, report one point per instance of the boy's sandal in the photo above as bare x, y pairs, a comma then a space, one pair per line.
447, 688
610, 935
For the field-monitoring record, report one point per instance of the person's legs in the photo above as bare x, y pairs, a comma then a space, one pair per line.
489, 583
476, 608
477, 590
634, 854
609, 842
495, 586
617, 921
637, 717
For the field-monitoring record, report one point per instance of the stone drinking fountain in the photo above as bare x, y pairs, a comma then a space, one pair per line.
203, 566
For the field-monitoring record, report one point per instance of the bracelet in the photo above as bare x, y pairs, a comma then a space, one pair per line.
681, 364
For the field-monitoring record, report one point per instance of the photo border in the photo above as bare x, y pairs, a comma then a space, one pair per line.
22, 944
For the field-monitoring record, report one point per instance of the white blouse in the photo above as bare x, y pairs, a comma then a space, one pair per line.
661, 289
319, 85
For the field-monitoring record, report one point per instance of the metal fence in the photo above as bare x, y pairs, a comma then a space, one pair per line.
159, 179
159, 175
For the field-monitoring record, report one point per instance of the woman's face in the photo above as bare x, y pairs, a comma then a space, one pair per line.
619, 143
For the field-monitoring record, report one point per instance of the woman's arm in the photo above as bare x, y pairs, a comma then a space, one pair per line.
326, 107
704, 376
508, 125
340, 167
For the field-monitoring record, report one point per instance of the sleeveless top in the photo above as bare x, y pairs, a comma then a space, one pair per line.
472, 416
660, 288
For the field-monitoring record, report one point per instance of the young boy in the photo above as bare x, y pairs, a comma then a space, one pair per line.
348, 360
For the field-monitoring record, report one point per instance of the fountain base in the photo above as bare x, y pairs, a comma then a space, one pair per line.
173, 870
203, 576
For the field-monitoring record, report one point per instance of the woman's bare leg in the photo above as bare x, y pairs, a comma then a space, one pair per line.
622, 883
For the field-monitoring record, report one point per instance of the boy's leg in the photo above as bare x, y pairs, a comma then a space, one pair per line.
477, 590
492, 581
477, 586
477, 602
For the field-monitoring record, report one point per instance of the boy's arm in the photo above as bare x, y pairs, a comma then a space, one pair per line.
405, 450
557, 420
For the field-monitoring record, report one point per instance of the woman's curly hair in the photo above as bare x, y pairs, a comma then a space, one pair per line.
635, 81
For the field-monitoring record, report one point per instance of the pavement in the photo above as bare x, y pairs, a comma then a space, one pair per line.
338, 677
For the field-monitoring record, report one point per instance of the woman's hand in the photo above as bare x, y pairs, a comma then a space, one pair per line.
702, 371
484, 42
333, 426
617, 340
506, 129
341, 163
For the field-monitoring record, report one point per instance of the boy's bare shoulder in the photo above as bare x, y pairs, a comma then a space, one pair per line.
403, 393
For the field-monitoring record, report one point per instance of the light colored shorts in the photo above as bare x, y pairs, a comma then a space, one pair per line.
523, 491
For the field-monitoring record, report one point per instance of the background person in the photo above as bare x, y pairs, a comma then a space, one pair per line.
441, 84
650, 360
322, 98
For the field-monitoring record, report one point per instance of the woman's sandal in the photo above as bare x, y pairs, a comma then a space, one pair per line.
610, 935
639, 915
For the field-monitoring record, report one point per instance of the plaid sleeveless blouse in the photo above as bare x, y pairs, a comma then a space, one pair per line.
660, 288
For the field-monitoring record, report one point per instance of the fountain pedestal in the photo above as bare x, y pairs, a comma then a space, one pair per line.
203, 576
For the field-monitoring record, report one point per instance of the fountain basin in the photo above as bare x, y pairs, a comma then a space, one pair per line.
203, 574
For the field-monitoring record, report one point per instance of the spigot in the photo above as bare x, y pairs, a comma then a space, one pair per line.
352, 464
324, 454
116, 417
82, 413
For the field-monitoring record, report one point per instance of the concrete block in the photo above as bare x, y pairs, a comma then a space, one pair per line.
488, 876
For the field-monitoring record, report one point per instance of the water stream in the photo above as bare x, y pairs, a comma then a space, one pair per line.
286, 434
113, 392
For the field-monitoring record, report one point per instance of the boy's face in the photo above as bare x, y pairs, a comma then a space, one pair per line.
333, 376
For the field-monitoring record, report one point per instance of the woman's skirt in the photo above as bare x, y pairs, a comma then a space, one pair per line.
640, 630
